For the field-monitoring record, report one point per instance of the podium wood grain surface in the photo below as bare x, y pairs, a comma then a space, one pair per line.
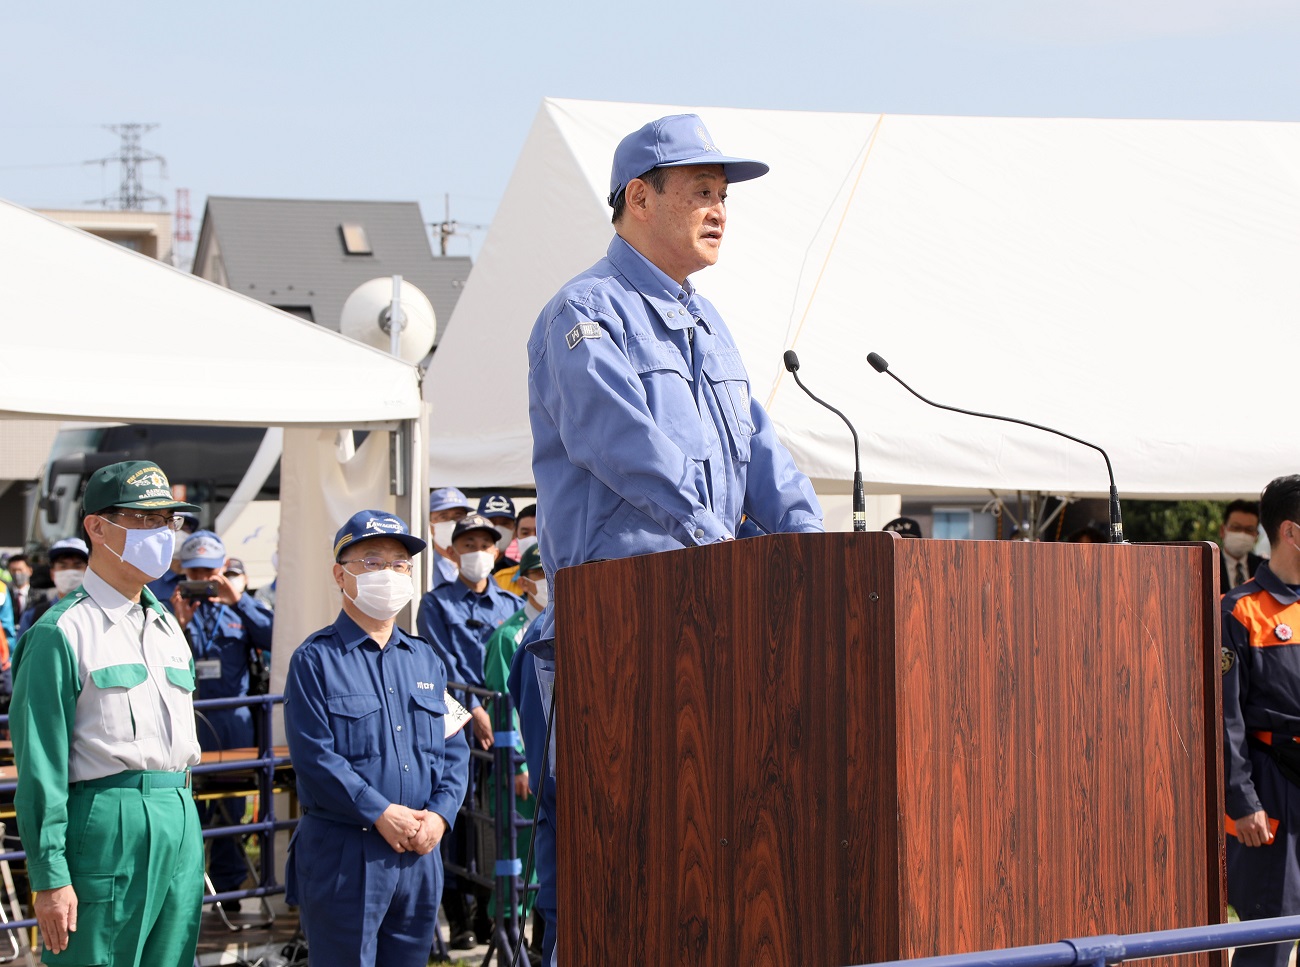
837, 749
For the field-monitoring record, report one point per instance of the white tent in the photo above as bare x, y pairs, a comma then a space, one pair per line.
1110, 278
92, 331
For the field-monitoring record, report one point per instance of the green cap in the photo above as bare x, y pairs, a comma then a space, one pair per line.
531, 561
134, 484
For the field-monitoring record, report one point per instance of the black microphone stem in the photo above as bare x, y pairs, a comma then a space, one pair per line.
1116, 524
859, 495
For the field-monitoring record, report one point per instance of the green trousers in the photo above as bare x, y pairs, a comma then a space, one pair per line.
135, 855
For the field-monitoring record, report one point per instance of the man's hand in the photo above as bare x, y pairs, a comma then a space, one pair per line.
432, 828
56, 912
226, 592
482, 727
399, 826
1253, 830
183, 608
521, 785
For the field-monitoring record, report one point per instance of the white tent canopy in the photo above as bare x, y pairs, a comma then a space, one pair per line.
1110, 278
93, 331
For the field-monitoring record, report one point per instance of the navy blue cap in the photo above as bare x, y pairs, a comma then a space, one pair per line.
496, 505
365, 524
475, 522
674, 142
903, 527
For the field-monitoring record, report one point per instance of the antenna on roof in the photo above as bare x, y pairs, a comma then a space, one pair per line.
448, 228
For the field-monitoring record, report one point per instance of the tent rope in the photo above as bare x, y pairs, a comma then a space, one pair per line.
844, 214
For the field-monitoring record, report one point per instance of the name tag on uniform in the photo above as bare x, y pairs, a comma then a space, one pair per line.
456, 717
208, 668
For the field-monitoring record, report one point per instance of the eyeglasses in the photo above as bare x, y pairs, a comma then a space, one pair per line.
134, 521
379, 564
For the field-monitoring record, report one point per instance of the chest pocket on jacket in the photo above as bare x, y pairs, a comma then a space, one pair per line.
429, 712
730, 385
355, 722
121, 698
670, 394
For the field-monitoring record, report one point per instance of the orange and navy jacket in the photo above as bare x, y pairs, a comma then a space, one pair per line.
1261, 678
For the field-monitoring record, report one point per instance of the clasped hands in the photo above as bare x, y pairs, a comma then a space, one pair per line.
410, 830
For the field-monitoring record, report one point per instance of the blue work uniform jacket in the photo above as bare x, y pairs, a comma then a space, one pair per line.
646, 436
1261, 678
224, 633
365, 727
459, 621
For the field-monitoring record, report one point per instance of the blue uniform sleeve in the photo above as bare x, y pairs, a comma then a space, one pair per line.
449, 788
329, 777
258, 620
597, 401
778, 495
432, 626
1240, 798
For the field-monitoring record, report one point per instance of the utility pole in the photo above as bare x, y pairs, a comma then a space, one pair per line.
131, 195
448, 228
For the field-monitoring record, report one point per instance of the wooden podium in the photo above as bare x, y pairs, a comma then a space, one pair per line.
826, 750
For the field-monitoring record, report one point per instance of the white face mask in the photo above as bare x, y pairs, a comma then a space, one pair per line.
524, 544
542, 596
148, 551
507, 535
381, 594
442, 533
68, 580
1238, 544
239, 582
476, 565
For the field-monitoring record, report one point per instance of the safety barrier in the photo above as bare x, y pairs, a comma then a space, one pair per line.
1116, 949
265, 826
503, 824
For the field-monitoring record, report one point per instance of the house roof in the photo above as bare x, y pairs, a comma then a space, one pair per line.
290, 253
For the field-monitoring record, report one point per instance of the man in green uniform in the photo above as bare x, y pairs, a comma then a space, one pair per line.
103, 731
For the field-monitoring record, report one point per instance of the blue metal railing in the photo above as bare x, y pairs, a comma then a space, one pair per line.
502, 820
1114, 949
265, 827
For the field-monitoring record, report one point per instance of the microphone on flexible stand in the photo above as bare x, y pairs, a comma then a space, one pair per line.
859, 498
879, 364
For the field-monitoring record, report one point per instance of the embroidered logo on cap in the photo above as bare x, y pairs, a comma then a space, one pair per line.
704, 139
583, 330
385, 524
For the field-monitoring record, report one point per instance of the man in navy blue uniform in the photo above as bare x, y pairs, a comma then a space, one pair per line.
646, 436
446, 506
459, 618
221, 630
1261, 722
379, 778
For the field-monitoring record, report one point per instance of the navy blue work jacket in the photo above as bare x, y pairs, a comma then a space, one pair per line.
1261, 678
459, 621
365, 726
225, 633
646, 436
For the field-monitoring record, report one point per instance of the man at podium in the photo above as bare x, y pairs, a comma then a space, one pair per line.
645, 434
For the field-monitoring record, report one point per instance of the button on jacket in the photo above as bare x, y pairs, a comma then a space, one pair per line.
102, 685
646, 436
365, 727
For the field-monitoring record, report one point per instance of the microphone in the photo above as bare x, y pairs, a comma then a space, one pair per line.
859, 499
879, 364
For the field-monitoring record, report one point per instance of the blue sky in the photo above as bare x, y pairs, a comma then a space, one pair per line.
412, 101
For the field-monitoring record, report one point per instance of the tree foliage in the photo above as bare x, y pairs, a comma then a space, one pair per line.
1172, 520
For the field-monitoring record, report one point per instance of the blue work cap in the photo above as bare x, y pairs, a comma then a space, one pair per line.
203, 549
674, 142
367, 524
445, 498
69, 547
496, 505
